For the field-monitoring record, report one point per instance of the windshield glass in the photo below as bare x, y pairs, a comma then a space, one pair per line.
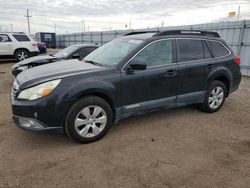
66, 52
112, 52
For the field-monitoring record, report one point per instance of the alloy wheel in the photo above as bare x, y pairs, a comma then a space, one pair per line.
90, 121
216, 97
22, 55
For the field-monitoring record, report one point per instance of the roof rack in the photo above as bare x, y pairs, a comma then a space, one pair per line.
139, 32
188, 32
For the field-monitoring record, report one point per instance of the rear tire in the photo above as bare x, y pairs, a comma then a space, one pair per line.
215, 97
89, 119
22, 55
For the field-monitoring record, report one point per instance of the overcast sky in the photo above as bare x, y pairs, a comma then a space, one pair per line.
67, 15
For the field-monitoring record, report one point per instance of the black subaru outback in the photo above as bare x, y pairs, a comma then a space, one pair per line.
134, 74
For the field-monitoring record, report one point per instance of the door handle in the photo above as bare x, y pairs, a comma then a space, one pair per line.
210, 66
170, 73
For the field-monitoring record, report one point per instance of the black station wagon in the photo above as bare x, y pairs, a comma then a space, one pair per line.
133, 74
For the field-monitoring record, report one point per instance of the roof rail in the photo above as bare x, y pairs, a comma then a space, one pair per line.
188, 32
139, 32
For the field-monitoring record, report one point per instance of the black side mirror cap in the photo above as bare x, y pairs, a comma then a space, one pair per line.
75, 56
138, 65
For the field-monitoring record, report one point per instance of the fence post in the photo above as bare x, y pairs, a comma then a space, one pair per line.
69, 39
91, 38
101, 38
243, 26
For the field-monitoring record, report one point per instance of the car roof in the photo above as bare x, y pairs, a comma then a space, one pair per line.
84, 45
19, 33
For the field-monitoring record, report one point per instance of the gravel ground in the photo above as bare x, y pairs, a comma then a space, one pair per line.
173, 148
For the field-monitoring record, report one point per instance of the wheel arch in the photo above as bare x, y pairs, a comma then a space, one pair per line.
98, 93
20, 49
222, 75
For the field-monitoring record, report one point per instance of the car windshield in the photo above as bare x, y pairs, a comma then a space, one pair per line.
66, 52
112, 52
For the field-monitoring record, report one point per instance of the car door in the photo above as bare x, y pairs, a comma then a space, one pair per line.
194, 65
5, 45
155, 86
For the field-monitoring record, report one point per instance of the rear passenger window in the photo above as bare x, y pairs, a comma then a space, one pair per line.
189, 50
218, 49
21, 38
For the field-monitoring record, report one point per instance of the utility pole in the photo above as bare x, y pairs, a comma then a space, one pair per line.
28, 19
11, 27
83, 25
238, 17
130, 24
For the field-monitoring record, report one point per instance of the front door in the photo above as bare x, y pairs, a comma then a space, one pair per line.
155, 86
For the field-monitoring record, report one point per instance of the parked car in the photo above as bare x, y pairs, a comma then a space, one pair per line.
77, 51
17, 45
130, 75
42, 47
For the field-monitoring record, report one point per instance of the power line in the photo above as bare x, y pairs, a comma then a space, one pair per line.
28, 19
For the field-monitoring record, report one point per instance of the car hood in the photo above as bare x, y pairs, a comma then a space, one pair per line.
53, 71
41, 59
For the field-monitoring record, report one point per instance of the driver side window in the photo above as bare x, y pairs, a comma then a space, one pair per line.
157, 53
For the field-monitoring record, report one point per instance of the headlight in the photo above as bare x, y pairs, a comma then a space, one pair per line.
22, 68
39, 91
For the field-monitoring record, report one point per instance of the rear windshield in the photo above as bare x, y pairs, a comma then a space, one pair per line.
218, 49
21, 38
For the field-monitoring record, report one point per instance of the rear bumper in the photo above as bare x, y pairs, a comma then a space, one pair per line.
35, 53
235, 85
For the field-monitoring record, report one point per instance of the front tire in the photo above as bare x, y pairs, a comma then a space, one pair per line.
22, 55
215, 97
89, 119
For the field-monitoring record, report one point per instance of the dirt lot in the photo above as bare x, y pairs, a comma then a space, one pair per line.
172, 148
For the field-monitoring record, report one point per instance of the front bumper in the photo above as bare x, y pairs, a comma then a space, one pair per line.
18, 70
40, 127
48, 113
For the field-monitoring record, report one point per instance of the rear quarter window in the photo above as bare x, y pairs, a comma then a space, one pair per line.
218, 49
21, 38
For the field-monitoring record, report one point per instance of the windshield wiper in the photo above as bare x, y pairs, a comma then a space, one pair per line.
94, 63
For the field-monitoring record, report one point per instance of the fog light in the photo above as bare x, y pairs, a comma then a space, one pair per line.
29, 123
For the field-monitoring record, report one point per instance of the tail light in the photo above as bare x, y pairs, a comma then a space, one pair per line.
237, 60
34, 44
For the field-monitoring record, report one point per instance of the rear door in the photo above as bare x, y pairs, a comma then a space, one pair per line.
194, 65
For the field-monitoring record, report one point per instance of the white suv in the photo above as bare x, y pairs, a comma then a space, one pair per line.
17, 45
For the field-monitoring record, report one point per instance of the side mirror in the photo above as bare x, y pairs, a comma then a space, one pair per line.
75, 56
137, 65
